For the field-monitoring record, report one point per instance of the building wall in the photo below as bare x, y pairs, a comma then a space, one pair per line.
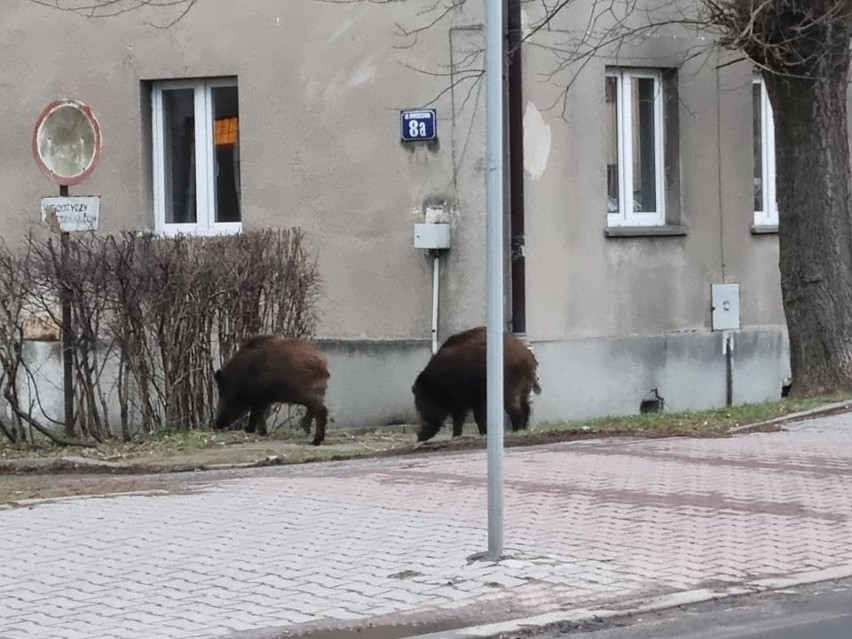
320, 86
613, 317
645, 285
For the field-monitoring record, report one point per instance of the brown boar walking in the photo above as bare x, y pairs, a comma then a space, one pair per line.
454, 382
269, 369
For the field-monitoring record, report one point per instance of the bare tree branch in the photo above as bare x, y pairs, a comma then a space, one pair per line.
112, 8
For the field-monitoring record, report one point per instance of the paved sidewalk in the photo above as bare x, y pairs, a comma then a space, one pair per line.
282, 551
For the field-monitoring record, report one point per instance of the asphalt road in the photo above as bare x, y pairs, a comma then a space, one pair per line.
818, 611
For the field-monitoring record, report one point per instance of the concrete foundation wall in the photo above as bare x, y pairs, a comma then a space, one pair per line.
371, 381
611, 376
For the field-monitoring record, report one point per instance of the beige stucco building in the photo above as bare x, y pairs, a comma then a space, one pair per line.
643, 185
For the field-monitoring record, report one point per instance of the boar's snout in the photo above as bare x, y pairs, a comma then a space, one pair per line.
227, 412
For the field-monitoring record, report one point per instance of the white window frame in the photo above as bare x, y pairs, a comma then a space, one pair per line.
626, 216
205, 180
768, 215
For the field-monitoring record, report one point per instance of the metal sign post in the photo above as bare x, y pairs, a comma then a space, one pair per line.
494, 272
66, 147
67, 334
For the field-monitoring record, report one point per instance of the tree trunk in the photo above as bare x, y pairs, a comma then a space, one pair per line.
815, 221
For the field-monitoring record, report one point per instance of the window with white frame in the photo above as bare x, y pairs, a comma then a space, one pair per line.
635, 148
765, 206
196, 153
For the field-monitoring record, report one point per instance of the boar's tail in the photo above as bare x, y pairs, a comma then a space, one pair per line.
536, 387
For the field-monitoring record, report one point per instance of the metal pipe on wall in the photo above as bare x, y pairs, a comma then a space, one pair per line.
436, 278
515, 117
729, 368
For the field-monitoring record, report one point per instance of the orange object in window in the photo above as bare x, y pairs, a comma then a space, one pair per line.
225, 131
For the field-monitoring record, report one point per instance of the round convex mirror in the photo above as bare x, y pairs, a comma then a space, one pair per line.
66, 142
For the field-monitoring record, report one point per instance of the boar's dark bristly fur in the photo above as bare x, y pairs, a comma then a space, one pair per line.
454, 382
270, 369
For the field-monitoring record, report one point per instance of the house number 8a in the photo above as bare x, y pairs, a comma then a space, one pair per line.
416, 129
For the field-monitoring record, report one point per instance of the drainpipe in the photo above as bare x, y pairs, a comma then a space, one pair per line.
516, 165
436, 280
728, 338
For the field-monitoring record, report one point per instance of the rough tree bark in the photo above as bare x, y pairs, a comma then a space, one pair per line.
815, 228
803, 49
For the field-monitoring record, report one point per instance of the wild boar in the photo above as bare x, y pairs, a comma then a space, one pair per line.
454, 382
269, 369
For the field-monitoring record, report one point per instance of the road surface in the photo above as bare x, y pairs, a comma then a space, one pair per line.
816, 611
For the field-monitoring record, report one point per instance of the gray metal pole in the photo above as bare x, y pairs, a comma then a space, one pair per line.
494, 272
67, 334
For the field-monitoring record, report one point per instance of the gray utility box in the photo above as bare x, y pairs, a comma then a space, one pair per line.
726, 307
432, 236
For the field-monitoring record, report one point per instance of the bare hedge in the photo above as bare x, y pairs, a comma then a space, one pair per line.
152, 318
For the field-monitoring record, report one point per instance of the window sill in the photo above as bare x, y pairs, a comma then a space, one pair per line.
761, 229
669, 230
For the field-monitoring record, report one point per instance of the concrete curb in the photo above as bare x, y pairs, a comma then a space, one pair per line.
813, 413
639, 606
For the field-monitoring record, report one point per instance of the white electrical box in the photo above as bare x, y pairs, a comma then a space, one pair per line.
725, 306
432, 236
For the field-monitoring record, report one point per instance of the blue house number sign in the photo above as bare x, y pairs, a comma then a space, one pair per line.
421, 124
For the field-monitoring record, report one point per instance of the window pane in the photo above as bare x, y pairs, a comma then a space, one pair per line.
179, 151
757, 128
226, 154
642, 98
611, 133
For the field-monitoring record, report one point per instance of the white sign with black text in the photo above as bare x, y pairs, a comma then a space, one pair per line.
71, 213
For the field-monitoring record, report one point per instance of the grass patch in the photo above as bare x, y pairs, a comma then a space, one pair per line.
178, 449
707, 423
187, 450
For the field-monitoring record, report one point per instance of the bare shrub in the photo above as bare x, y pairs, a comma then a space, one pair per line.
22, 302
13, 293
81, 275
153, 317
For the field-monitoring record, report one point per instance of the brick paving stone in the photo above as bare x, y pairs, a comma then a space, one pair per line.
14, 632
388, 541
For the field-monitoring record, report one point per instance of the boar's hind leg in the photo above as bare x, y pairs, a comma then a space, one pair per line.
517, 414
458, 423
317, 408
257, 420
525, 407
480, 412
306, 420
